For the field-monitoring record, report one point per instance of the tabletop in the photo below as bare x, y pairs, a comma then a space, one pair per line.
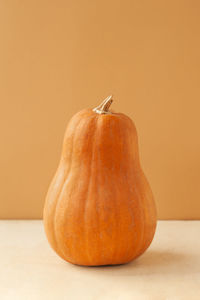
168, 270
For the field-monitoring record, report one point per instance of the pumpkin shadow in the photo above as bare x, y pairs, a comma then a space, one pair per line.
151, 262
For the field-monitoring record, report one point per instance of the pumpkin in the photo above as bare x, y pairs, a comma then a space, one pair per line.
99, 208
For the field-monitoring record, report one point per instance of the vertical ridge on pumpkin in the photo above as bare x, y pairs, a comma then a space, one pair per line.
121, 134
137, 192
96, 185
107, 197
87, 196
59, 188
75, 207
149, 213
114, 126
62, 189
137, 251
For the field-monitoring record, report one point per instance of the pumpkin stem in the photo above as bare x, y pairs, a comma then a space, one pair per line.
104, 106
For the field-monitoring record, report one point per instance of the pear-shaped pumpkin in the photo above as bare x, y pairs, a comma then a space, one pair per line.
99, 209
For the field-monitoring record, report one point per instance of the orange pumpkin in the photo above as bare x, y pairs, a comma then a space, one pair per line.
99, 209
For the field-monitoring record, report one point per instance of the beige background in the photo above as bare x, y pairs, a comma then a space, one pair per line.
57, 57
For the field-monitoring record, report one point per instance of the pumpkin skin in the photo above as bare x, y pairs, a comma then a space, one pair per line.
99, 208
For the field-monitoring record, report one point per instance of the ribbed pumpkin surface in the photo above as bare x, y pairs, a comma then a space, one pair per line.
99, 209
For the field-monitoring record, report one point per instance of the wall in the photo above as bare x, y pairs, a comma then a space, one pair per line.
58, 57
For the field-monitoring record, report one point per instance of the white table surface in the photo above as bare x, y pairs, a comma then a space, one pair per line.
169, 270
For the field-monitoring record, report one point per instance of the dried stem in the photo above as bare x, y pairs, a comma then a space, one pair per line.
103, 108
